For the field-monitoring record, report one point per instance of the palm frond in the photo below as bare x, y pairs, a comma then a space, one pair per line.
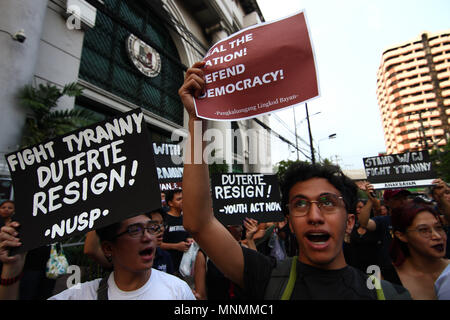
44, 122
72, 90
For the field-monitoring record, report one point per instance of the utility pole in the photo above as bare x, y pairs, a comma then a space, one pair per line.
313, 158
295, 128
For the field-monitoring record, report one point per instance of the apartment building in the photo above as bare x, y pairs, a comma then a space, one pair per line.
413, 91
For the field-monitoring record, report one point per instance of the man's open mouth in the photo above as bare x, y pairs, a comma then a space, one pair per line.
318, 237
438, 247
146, 252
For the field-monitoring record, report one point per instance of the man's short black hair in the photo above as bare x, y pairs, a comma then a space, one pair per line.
302, 171
159, 210
171, 193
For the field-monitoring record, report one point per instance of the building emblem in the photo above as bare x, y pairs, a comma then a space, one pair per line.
145, 58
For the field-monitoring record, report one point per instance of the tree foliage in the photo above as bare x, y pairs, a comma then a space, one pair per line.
282, 166
441, 162
43, 121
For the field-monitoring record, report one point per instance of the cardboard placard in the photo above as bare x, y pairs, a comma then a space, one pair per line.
259, 70
404, 170
240, 195
169, 165
89, 178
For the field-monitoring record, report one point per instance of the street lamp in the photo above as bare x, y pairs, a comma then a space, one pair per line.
331, 136
301, 121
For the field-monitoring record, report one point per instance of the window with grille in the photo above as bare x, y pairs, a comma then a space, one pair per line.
106, 64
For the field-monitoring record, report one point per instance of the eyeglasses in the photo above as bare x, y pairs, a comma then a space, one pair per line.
137, 230
427, 231
327, 203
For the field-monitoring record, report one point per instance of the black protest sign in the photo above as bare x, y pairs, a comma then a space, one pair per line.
405, 170
84, 180
254, 195
169, 165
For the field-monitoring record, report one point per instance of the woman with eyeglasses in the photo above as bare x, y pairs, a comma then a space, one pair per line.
417, 250
130, 245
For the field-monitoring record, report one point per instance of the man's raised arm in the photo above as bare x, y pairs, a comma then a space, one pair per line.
198, 218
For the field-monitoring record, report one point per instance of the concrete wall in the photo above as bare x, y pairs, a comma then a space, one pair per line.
17, 65
50, 54
59, 52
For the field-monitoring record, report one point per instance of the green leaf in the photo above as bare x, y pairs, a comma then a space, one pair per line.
42, 121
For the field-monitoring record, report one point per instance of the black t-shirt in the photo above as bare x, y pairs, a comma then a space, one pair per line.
384, 227
218, 287
174, 232
312, 283
163, 261
365, 249
390, 274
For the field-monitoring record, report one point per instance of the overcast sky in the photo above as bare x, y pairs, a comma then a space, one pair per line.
349, 37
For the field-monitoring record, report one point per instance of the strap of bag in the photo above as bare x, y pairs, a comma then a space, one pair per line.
378, 287
284, 272
386, 291
102, 291
291, 282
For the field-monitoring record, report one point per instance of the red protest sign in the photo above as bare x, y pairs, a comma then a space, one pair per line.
259, 70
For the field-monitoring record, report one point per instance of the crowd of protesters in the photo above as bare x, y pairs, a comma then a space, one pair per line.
328, 246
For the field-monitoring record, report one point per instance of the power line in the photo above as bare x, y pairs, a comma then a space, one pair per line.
270, 130
290, 130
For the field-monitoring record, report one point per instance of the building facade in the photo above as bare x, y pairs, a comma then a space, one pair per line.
125, 55
413, 91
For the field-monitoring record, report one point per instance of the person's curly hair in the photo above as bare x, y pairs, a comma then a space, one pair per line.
302, 171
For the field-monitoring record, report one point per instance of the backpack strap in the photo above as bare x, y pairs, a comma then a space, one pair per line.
386, 290
391, 293
102, 291
378, 287
291, 282
283, 274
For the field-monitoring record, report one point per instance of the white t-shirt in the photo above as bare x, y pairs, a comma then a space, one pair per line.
442, 285
160, 286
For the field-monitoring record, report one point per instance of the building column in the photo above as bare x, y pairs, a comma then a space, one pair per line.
225, 147
259, 148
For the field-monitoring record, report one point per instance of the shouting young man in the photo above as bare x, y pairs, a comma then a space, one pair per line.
319, 201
